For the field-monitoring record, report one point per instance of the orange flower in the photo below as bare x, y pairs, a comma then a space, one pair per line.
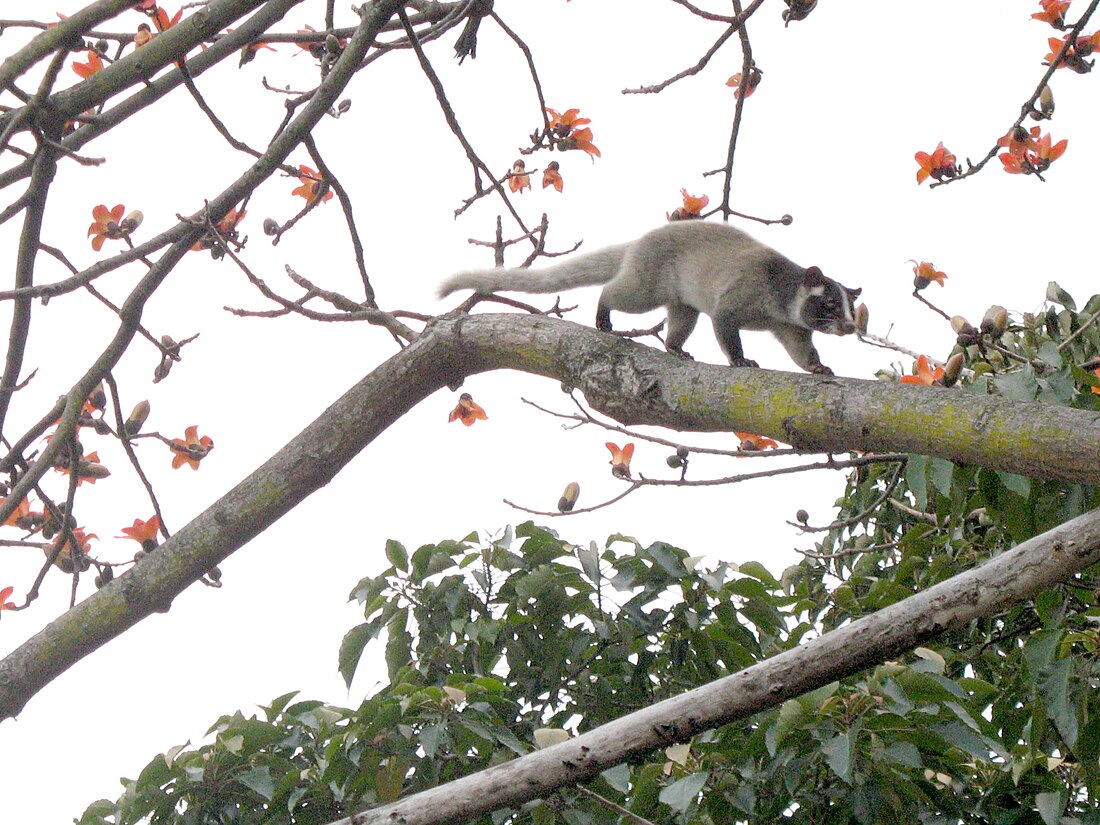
227, 228
312, 186
105, 224
517, 179
4, 595
467, 411
564, 123
581, 139
751, 442
925, 273
1032, 155
64, 558
939, 165
1096, 372
692, 208
563, 126
20, 512
143, 532
1054, 12
144, 35
94, 64
551, 176
926, 373
620, 459
191, 449
755, 76
1075, 55
161, 20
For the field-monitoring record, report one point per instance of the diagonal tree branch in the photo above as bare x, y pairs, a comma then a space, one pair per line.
630, 382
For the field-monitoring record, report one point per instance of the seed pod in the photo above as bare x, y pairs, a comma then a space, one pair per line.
802, 517
137, 417
343, 106
271, 227
569, 496
953, 369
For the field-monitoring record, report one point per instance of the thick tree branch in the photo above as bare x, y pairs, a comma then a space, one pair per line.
628, 381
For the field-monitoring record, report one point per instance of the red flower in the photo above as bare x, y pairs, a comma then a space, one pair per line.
620, 459
105, 224
4, 595
467, 411
191, 449
751, 442
143, 532
1054, 12
755, 76
94, 64
925, 273
563, 126
160, 18
64, 558
1075, 55
20, 512
926, 373
692, 208
552, 177
939, 165
1096, 372
1028, 153
312, 186
518, 180
227, 228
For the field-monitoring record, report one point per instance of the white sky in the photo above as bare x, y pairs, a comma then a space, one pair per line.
848, 96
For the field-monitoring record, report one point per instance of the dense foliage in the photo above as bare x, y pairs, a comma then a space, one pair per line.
495, 646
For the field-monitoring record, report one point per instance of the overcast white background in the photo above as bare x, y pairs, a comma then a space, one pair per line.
848, 96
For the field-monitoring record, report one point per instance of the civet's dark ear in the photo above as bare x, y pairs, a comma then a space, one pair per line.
854, 293
813, 276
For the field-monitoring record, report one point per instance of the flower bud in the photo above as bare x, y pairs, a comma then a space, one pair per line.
995, 320
137, 417
131, 222
802, 517
91, 469
569, 496
1046, 101
98, 397
953, 369
271, 227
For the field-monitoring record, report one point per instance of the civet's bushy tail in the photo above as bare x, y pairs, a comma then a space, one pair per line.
583, 270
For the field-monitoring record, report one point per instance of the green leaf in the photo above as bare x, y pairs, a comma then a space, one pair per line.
618, 777
1057, 295
1050, 806
916, 480
838, 754
1059, 704
259, 780
682, 793
351, 650
1020, 485
397, 555
758, 572
940, 471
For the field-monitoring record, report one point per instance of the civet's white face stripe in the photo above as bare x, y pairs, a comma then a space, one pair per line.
817, 291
